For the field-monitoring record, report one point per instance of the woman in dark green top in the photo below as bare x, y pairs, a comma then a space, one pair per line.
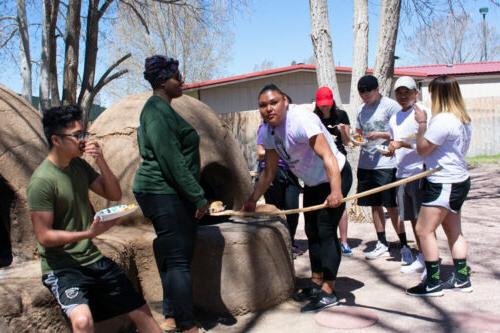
167, 188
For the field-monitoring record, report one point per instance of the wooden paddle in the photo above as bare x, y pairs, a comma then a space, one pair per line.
318, 207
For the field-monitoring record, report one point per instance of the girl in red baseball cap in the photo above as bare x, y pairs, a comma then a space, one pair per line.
337, 123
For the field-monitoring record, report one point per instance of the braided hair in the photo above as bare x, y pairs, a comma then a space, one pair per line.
158, 69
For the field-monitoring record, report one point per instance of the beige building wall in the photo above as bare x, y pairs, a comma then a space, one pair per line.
472, 87
242, 96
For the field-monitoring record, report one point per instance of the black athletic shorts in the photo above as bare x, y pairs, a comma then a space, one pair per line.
369, 179
103, 286
449, 196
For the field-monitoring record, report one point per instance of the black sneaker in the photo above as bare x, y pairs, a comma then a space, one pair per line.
455, 283
306, 293
322, 301
426, 290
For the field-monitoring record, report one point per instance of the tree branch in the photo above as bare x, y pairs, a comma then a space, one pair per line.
181, 3
110, 69
12, 18
12, 34
139, 16
107, 80
104, 7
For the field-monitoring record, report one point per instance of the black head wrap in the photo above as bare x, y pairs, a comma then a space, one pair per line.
158, 69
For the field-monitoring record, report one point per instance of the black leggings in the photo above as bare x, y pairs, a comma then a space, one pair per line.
175, 226
284, 194
321, 227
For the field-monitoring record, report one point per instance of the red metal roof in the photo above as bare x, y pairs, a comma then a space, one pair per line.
282, 70
471, 68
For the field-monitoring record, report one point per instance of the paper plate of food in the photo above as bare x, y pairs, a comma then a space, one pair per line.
115, 212
358, 139
410, 137
383, 149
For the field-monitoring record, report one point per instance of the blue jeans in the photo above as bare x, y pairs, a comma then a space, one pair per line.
175, 225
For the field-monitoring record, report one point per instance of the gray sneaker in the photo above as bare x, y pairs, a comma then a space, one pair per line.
454, 283
417, 266
406, 256
380, 250
322, 301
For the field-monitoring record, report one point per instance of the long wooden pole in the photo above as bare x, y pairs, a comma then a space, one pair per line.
323, 205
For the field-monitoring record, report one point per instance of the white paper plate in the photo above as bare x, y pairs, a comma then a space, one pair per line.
115, 212
383, 149
360, 143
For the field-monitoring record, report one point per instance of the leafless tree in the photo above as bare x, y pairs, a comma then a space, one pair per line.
264, 65
322, 45
198, 35
61, 30
452, 40
71, 52
24, 50
15, 43
386, 45
49, 91
359, 50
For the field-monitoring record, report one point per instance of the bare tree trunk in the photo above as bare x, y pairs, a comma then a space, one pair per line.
359, 51
52, 44
387, 37
322, 44
91, 46
49, 91
24, 47
72, 48
44, 92
88, 98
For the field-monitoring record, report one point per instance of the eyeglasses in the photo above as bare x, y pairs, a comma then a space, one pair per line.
363, 90
79, 136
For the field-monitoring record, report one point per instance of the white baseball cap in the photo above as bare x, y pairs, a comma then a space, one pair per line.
405, 81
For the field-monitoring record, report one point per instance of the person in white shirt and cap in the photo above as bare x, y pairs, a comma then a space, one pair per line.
402, 130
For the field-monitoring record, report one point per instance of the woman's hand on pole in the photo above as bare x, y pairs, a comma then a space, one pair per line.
334, 199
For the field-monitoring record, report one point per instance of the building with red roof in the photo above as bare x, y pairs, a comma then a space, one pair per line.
476, 79
239, 92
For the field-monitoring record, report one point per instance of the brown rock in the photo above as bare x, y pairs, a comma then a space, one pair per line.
241, 267
10, 303
4, 328
22, 148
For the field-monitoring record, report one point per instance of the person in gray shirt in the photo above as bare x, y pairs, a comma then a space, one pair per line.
374, 169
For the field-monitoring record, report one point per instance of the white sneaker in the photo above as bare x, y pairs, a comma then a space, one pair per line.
417, 266
380, 250
406, 256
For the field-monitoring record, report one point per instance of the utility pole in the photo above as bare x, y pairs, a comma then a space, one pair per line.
484, 11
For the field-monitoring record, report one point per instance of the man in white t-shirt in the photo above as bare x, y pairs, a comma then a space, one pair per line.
374, 169
402, 130
298, 137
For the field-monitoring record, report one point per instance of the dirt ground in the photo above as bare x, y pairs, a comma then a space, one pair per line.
379, 286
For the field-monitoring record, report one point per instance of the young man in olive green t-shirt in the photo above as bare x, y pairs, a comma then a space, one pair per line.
88, 286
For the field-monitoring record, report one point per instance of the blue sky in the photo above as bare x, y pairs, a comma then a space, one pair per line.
279, 31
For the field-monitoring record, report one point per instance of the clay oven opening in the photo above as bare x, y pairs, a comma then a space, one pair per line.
7, 202
219, 184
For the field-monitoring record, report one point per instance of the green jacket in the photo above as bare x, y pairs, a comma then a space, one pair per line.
169, 147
